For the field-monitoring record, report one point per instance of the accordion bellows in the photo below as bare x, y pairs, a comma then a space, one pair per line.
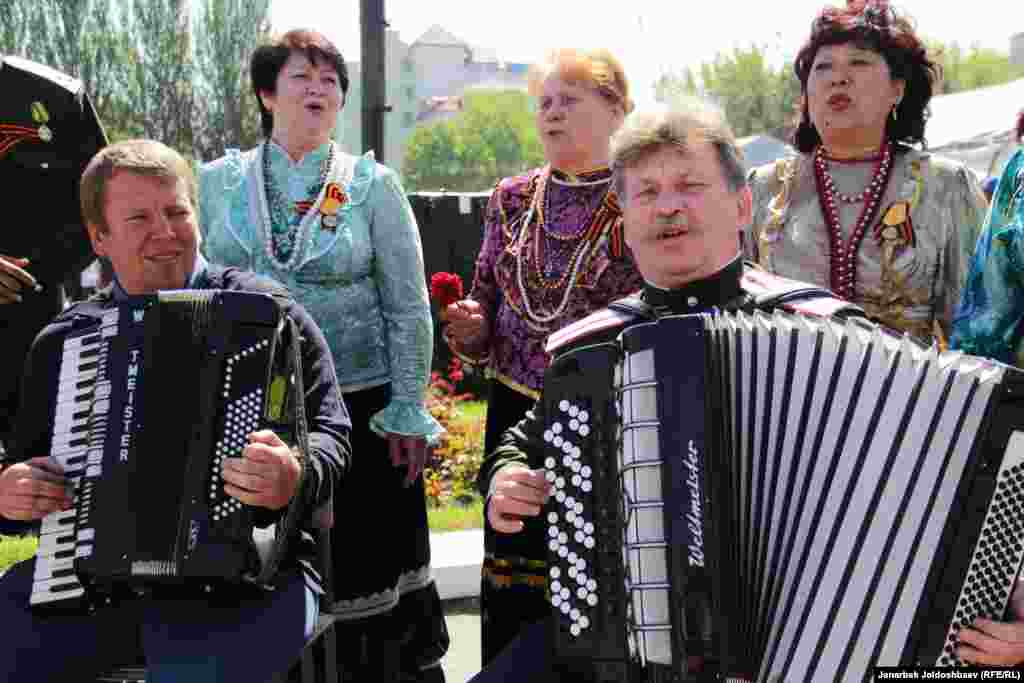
798, 498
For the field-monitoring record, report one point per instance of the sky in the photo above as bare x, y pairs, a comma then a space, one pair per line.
650, 37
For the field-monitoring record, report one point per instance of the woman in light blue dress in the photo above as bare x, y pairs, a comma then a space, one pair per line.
338, 231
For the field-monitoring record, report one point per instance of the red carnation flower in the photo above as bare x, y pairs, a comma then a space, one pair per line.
445, 288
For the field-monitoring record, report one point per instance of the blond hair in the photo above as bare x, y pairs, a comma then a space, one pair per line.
599, 68
142, 157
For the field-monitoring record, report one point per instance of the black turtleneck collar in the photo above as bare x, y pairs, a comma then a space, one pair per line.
715, 290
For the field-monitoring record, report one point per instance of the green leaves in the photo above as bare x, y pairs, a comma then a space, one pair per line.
493, 137
756, 96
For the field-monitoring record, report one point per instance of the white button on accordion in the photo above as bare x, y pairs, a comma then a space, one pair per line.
150, 402
796, 498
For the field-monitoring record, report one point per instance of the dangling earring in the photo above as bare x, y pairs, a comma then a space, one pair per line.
894, 108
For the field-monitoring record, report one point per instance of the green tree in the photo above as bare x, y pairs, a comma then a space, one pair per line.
976, 67
227, 32
73, 36
755, 96
495, 136
14, 19
159, 88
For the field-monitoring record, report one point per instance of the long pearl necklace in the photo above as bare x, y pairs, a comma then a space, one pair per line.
843, 257
270, 203
584, 249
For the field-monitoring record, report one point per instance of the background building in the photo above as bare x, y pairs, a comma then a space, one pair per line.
425, 84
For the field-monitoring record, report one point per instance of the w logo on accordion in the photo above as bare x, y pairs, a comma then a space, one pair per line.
797, 498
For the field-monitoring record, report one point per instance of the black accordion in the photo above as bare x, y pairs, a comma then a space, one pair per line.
795, 498
150, 402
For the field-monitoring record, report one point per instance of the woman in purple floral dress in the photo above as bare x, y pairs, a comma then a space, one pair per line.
552, 254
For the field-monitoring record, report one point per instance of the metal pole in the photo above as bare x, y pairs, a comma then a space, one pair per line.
374, 84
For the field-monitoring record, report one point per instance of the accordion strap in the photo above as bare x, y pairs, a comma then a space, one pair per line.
287, 525
769, 292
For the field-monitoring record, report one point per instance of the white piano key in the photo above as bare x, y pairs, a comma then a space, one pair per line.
72, 344
52, 543
93, 471
55, 589
86, 534
83, 550
56, 521
69, 377
50, 568
63, 457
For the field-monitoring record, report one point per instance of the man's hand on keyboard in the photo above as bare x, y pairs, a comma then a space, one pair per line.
33, 489
266, 475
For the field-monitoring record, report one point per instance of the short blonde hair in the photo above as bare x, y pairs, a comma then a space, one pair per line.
599, 68
142, 157
687, 121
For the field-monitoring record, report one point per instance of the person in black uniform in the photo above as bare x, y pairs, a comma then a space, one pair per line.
682, 184
48, 133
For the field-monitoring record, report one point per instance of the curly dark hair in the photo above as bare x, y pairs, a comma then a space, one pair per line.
268, 60
873, 25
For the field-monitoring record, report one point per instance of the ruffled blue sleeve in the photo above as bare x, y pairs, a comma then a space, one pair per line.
988, 319
403, 292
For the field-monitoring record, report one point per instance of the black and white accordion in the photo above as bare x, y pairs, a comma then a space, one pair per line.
797, 498
150, 402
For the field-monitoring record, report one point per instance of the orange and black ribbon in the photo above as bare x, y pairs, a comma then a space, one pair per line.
11, 135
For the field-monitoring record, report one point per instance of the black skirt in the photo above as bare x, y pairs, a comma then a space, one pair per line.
391, 624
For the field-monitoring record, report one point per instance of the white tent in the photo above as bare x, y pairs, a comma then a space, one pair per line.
976, 126
762, 149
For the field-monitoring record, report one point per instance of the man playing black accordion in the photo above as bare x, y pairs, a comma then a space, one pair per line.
685, 199
139, 200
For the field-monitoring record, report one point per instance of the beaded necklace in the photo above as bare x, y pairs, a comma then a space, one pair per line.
529, 245
843, 257
283, 221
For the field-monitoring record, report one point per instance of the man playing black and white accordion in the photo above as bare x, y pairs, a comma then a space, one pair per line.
617, 611
139, 200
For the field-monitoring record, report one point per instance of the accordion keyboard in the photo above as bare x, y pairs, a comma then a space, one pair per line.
80, 425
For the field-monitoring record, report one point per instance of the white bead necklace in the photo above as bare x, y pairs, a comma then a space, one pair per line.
304, 232
535, 320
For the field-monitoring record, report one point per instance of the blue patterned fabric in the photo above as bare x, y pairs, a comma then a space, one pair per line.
361, 280
988, 320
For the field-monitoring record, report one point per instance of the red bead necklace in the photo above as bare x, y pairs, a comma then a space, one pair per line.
843, 256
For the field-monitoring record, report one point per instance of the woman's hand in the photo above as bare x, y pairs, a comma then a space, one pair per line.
517, 492
410, 451
468, 328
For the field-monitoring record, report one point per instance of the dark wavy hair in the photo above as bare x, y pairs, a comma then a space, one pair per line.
873, 25
268, 60
1020, 126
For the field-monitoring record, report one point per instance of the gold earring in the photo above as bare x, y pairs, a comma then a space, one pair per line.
894, 114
